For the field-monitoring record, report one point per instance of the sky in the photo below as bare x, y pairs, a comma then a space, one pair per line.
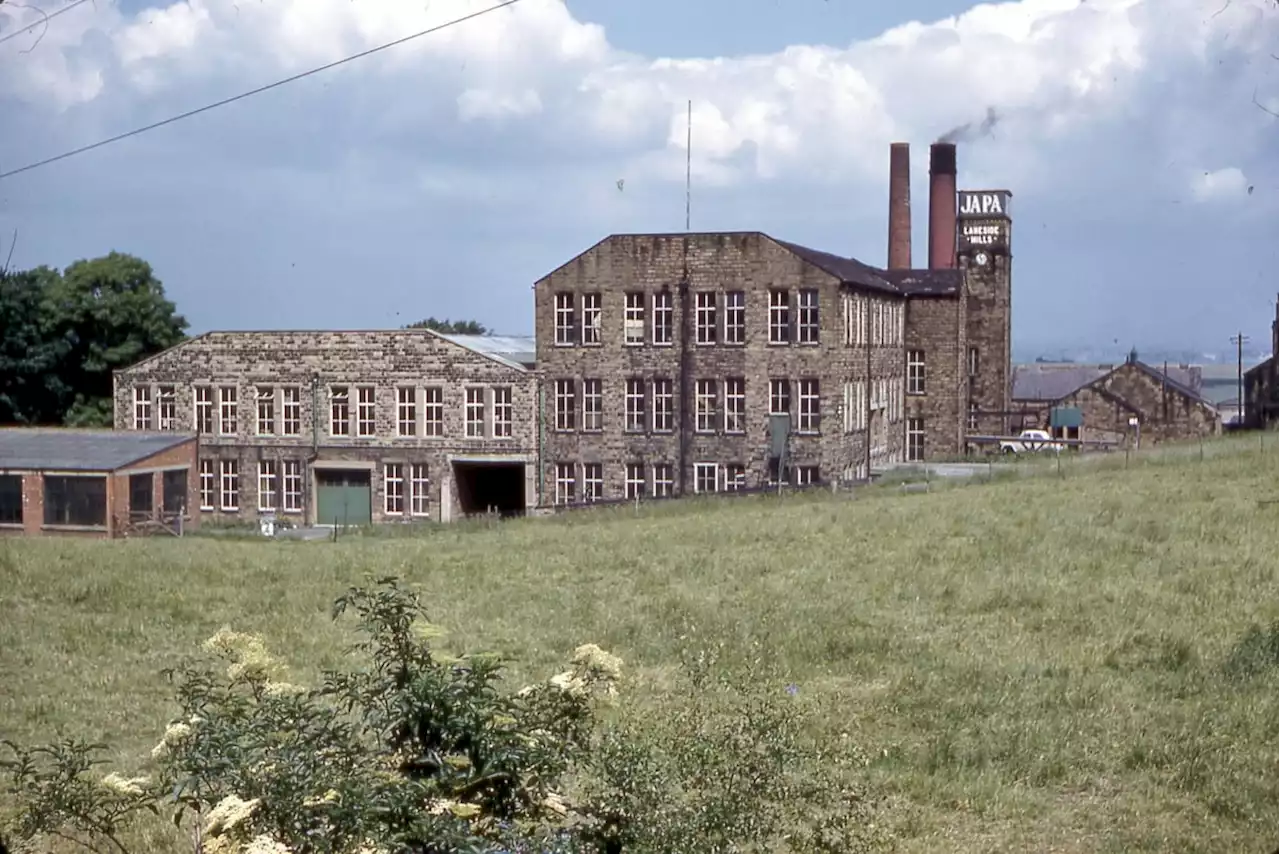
445, 175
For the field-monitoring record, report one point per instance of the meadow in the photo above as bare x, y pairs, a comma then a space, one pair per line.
1076, 663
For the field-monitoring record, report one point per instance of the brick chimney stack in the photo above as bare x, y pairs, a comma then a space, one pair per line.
899, 206
942, 205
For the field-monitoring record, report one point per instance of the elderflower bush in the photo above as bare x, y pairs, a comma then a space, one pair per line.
416, 750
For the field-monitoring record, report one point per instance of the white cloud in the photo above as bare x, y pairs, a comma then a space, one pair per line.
1218, 184
1045, 66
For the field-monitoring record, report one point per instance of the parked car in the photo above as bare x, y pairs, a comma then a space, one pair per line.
1031, 441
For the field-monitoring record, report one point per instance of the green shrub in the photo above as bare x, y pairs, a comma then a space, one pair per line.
415, 750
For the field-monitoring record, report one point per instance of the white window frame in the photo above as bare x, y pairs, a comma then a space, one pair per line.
735, 405
208, 485
663, 332
339, 411
266, 397
142, 407
635, 481
433, 412
973, 361
663, 485
291, 481
503, 412
972, 420
705, 318
473, 411
366, 411
393, 489
229, 486
779, 317
592, 482
704, 473
848, 407
591, 314
915, 372
779, 396
634, 413
664, 403
291, 411
633, 320
705, 398
735, 318
566, 405
167, 407
267, 480
406, 412
808, 328
419, 490
228, 410
809, 397
915, 429
566, 483
565, 325
592, 405
806, 475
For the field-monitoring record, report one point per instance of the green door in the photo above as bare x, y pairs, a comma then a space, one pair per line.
343, 497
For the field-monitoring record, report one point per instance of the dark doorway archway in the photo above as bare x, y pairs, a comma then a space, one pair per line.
485, 486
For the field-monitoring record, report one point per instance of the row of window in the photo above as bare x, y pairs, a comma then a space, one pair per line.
487, 411
649, 404
584, 482
873, 322
406, 487
719, 318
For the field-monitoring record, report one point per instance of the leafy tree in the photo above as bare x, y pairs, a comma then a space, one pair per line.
27, 356
72, 330
451, 327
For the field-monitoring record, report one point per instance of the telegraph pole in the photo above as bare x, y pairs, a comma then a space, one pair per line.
1239, 340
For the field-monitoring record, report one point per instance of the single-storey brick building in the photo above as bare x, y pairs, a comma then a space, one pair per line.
95, 482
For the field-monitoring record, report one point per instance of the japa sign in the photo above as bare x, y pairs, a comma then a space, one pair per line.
980, 204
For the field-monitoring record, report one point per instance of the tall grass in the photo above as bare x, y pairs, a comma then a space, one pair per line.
1076, 663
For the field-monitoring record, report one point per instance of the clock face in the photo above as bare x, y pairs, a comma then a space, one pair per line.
981, 258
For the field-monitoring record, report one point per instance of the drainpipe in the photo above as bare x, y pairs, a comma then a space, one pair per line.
308, 507
542, 441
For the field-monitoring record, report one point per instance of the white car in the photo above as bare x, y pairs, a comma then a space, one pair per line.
1033, 441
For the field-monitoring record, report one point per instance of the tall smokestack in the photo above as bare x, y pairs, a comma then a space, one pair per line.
899, 206
942, 205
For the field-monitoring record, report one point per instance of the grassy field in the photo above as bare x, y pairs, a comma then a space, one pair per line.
1070, 664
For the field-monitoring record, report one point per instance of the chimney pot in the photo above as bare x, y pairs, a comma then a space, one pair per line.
942, 205
899, 206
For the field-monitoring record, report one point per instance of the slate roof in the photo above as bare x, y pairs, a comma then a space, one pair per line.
847, 270
925, 283
64, 449
1054, 381
517, 350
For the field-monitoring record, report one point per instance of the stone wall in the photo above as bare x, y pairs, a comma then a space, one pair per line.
716, 264
312, 365
936, 327
1165, 411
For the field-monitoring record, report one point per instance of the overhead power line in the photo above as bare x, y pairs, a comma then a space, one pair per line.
207, 107
44, 19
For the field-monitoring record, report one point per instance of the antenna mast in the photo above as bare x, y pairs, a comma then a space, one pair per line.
688, 163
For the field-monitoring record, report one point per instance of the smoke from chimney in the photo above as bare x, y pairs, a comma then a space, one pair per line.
967, 132
899, 206
942, 206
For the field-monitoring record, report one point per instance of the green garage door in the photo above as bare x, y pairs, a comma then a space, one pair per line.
343, 497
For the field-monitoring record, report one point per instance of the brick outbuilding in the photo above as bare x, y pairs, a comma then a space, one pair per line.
95, 482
